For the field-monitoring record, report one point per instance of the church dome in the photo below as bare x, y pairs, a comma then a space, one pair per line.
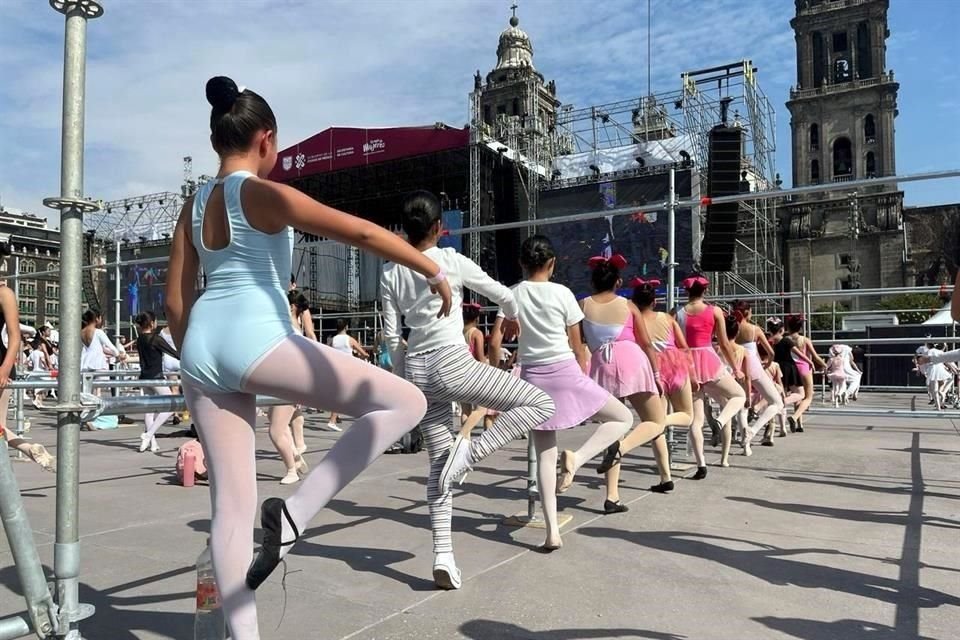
515, 50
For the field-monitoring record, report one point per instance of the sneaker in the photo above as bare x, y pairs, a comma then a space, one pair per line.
446, 574
334, 427
39, 454
457, 465
144, 442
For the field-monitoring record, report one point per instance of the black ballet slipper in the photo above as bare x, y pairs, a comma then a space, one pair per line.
663, 487
800, 425
793, 424
609, 506
700, 474
269, 557
611, 457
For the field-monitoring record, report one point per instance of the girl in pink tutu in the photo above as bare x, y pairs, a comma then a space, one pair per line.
752, 339
624, 362
702, 323
552, 358
675, 366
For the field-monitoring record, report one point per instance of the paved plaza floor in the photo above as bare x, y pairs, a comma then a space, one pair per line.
849, 531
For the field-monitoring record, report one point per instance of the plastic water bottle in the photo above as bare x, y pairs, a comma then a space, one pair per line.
208, 623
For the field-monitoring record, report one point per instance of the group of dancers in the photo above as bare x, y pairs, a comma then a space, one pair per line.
238, 228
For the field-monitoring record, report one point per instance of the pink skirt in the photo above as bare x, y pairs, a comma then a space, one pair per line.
576, 397
675, 368
803, 367
707, 365
622, 369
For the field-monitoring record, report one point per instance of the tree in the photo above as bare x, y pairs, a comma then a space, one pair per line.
823, 317
912, 308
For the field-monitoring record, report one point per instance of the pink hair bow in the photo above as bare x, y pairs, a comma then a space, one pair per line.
472, 305
692, 280
639, 282
617, 261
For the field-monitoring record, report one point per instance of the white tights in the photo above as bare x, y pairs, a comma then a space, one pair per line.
153, 421
616, 421
731, 397
304, 372
774, 405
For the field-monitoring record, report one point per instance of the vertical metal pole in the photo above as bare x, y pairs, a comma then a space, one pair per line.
533, 490
18, 394
72, 205
833, 321
116, 291
24, 549
672, 241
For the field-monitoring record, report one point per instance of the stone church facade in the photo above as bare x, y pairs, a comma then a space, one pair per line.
843, 112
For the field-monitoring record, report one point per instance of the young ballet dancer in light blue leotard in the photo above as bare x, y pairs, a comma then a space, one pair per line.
239, 229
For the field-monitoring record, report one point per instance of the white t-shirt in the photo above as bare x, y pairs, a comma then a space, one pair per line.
547, 309
406, 293
170, 364
92, 356
341, 342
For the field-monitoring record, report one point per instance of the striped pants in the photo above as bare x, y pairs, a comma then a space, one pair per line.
450, 374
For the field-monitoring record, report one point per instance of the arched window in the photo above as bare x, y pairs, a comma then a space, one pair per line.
814, 172
869, 129
814, 137
28, 266
842, 158
871, 165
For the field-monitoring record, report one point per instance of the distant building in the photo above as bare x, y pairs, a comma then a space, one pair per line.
36, 249
842, 128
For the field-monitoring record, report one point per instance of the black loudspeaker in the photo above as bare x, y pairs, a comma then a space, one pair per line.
723, 179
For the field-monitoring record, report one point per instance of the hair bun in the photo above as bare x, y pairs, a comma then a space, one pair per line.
222, 92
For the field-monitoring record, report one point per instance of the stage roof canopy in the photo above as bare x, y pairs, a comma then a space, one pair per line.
345, 147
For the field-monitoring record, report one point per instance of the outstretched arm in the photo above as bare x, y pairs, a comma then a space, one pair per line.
181, 290
11, 319
726, 347
290, 207
496, 342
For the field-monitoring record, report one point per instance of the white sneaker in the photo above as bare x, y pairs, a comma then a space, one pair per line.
144, 442
154, 447
292, 477
446, 575
333, 427
457, 465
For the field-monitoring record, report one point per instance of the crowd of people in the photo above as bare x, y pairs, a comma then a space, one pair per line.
577, 364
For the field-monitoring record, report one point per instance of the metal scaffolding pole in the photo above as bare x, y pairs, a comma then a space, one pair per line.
72, 206
672, 241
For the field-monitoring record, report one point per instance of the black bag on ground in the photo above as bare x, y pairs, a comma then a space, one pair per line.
411, 442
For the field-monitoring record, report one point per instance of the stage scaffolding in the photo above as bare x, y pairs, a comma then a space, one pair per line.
681, 121
527, 141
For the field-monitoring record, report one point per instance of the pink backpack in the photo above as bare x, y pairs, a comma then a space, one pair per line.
191, 448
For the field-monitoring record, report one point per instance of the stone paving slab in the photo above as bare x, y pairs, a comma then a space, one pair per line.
848, 531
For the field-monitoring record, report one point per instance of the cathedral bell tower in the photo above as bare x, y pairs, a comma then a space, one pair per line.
842, 113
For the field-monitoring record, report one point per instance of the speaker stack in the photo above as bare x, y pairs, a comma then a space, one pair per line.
723, 179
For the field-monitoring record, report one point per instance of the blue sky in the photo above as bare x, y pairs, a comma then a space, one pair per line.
386, 62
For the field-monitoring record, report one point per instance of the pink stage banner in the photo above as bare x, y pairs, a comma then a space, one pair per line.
343, 148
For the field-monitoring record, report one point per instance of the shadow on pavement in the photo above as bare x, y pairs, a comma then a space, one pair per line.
490, 629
